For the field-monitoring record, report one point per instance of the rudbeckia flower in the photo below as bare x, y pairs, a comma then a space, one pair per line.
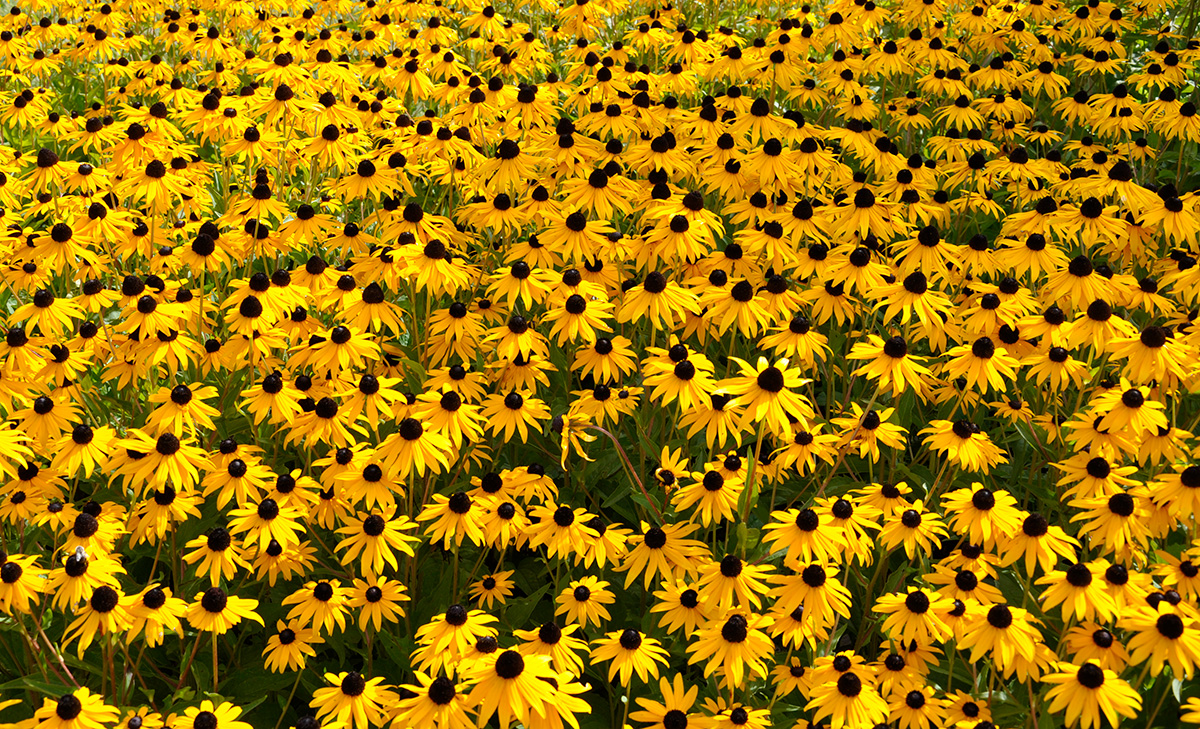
733, 644
353, 700
583, 601
510, 686
765, 390
964, 444
1162, 635
1089, 692
630, 652
377, 600
891, 364
434, 701
216, 611
982, 514
290, 647
80, 709
665, 551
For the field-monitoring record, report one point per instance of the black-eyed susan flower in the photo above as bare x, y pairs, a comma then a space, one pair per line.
1089, 642
1162, 635
964, 444
916, 615
105, 613
449, 635
434, 701
1038, 543
1008, 633
219, 555
584, 600
223, 715
916, 708
675, 707
216, 611
153, 612
290, 647
713, 496
914, 527
21, 581
493, 588
320, 603
766, 392
374, 540
511, 686
1089, 692
353, 699
79, 709
377, 600
733, 582
664, 551
890, 363
849, 699
1079, 591
453, 519
732, 645
804, 535
984, 515
556, 641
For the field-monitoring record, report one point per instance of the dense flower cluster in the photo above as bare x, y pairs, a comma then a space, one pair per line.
437, 365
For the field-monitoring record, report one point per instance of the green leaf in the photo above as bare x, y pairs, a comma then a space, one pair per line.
246, 707
255, 682
38, 685
518, 612
184, 695
414, 372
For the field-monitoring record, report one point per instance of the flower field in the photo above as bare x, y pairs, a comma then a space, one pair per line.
603, 364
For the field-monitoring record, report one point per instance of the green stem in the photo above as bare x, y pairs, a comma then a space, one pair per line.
1154, 714
288, 703
842, 451
137, 674
748, 494
953, 651
632, 474
214, 660
188, 665
51, 647
862, 633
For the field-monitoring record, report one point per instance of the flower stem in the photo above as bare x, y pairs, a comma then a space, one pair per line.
850, 443
214, 659
748, 493
1163, 697
862, 626
188, 665
632, 473
288, 703
953, 651
57, 655
134, 668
